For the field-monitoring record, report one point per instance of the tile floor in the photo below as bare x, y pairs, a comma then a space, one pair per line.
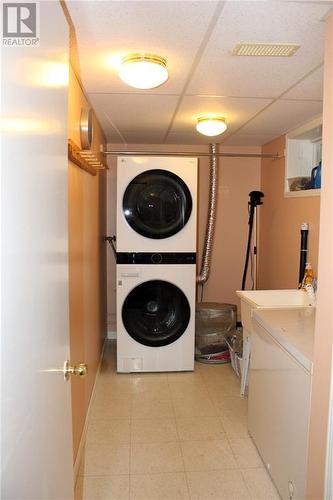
170, 436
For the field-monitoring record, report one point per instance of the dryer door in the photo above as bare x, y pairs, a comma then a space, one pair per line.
156, 313
157, 204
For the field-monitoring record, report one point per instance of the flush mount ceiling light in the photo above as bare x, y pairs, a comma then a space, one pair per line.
211, 125
265, 49
143, 71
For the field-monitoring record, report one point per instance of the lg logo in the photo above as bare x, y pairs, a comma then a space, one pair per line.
19, 20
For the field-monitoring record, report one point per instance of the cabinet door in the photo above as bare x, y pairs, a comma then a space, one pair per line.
279, 398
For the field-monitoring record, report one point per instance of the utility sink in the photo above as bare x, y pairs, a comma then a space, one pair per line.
273, 299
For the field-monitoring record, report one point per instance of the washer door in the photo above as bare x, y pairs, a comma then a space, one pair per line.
156, 313
157, 204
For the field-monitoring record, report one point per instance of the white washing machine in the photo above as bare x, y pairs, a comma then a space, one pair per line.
156, 313
156, 204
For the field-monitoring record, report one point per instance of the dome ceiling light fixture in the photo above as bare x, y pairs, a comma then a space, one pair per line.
143, 70
211, 125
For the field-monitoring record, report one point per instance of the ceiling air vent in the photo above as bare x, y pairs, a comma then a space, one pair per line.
265, 49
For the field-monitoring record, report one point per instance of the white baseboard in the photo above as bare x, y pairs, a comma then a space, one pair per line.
111, 335
86, 422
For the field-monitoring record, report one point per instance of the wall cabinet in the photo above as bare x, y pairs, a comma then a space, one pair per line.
303, 154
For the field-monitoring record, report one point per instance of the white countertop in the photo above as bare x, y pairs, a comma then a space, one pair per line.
293, 329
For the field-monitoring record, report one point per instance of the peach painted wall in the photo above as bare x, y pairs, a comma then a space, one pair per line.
280, 221
87, 264
324, 320
237, 177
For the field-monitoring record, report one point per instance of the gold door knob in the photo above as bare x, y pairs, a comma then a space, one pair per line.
79, 370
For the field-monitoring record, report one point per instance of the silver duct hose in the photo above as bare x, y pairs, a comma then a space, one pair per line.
211, 218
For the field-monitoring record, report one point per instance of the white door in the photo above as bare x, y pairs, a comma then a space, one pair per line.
329, 452
36, 406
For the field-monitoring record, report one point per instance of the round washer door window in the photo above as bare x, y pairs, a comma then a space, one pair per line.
157, 204
156, 313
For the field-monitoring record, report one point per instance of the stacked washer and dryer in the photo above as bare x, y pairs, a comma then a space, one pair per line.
156, 263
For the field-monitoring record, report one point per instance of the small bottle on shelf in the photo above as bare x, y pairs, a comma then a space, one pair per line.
308, 276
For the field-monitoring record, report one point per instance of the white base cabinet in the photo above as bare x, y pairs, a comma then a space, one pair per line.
278, 412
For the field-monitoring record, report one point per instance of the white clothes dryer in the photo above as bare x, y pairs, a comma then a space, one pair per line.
156, 314
156, 204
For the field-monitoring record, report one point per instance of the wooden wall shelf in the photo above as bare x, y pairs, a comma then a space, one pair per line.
85, 159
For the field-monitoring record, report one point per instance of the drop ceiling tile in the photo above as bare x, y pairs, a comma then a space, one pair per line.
236, 110
190, 138
222, 73
144, 137
110, 132
108, 29
240, 139
133, 112
283, 116
310, 88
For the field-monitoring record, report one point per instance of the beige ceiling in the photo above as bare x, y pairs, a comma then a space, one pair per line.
260, 97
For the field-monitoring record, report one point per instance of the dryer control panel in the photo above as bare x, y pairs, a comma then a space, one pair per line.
156, 258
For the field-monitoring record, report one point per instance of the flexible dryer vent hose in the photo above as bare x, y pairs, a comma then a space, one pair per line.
211, 218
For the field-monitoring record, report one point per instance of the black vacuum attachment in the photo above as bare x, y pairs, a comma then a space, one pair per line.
255, 199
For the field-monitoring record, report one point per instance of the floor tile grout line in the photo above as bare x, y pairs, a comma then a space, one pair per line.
175, 472
183, 440
114, 352
105, 475
184, 471
172, 404
220, 416
210, 398
229, 439
179, 442
180, 447
232, 450
246, 485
